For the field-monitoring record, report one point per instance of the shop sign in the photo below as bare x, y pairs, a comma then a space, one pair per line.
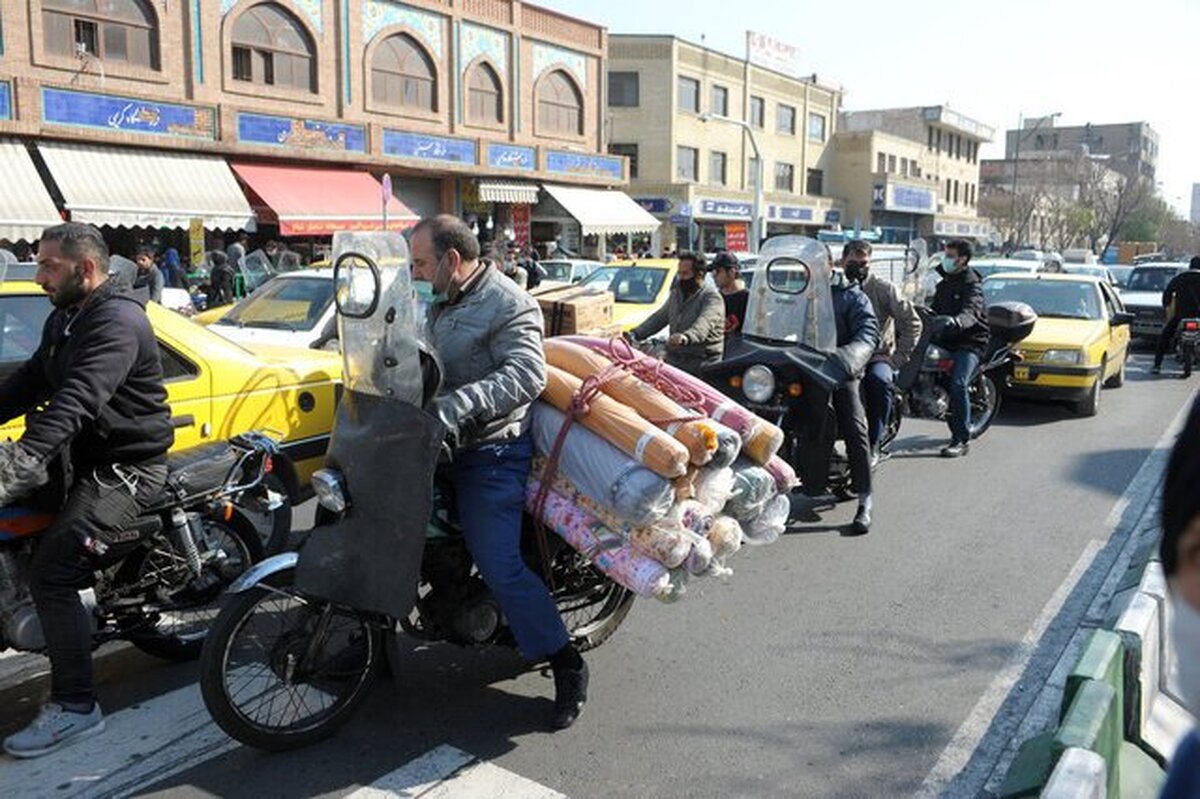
428, 148
654, 205
725, 209
792, 213
833, 216
603, 166
303, 134
910, 198
522, 222
196, 242
126, 114
508, 156
878, 195
737, 238
5, 100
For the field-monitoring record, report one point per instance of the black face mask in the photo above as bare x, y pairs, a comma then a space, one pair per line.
856, 270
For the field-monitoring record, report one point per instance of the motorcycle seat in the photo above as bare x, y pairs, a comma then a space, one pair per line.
199, 470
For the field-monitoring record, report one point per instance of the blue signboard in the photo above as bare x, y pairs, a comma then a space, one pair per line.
582, 164
833, 216
910, 198
304, 134
126, 114
795, 213
508, 156
654, 205
878, 195
5, 100
428, 148
725, 208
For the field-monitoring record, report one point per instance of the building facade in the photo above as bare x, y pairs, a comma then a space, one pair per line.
911, 172
669, 106
1195, 209
468, 105
1132, 146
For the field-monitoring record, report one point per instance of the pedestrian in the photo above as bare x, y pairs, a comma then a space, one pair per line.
1181, 299
220, 280
172, 269
963, 331
236, 251
727, 274
506, 262
694, 315
148, 281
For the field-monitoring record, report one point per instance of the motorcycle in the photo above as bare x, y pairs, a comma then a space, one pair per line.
303, 635
1189, 339
160, 591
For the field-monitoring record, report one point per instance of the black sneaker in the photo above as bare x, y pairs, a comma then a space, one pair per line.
862, 522
570, 694
956, 449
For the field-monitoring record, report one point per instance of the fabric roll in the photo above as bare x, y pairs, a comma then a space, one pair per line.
729, 446
725, 537
693, 515
667, 545
769, 524
714, 487
753, 487
784, 474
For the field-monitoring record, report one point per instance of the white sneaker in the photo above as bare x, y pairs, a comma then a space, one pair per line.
54, 728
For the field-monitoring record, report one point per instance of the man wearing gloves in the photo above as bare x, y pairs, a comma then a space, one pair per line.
964, 332
488, 333
97, 379
694, 314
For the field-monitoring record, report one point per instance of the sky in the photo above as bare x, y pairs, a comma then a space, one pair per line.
1099, 61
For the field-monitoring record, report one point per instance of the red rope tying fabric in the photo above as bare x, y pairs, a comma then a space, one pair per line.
650, 370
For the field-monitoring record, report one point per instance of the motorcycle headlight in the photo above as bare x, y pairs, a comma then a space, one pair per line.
330, 488
935, 354
1061, 356
758, 383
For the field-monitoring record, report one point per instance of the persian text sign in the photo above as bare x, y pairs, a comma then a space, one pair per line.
565, 163
126, 114
508, 156
5, 100
522, 220
737, 238
304, 134
772, 54
428, 148
725, 209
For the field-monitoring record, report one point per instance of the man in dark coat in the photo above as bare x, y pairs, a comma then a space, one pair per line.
958, 298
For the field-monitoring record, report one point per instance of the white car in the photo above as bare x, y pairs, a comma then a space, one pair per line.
565, 272
294, 309
1143, 292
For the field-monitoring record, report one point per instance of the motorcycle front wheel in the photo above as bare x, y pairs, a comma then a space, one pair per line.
985, 404
281, 670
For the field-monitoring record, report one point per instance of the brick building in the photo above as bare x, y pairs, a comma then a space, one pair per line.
142, 114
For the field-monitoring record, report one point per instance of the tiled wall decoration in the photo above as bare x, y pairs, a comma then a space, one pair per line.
380, 14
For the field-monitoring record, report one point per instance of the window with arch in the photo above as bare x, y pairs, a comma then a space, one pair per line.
559, 105
272, 48
114, 31
402, 74
485, 99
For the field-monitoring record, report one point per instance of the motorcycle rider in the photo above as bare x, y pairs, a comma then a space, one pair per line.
694, 313
959, 297
1184, 292
488, 333
899, 330
98, 377
727, 274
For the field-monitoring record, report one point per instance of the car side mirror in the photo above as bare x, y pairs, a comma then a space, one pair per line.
1121, 318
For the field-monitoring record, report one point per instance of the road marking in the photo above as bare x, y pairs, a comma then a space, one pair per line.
450, 773
989, 728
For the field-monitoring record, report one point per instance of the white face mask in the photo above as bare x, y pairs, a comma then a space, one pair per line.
1185, 635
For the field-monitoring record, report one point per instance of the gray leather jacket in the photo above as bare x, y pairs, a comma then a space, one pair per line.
899, 322
490, 343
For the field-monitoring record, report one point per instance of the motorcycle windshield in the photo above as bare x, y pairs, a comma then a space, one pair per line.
6, 258
377, 315
792, 300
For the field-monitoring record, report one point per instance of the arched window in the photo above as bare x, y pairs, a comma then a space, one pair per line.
271, 48
485, 100
111, 30
559, 105
402, 74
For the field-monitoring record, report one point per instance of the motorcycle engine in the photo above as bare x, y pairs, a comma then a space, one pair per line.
932, 401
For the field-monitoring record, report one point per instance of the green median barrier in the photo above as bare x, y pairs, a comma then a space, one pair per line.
1103, 660
1093, 721
1141, 776
1031, 768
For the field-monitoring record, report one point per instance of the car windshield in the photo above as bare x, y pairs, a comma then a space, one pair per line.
986, 269
1055, 299
21, 319
1093, 271
636, 284
1121, 275
1149, 279
283, 304
557, 270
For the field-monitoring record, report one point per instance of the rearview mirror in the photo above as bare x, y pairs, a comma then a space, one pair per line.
1121, 318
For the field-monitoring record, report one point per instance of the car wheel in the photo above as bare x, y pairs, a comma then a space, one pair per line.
1089, 405
1118, 378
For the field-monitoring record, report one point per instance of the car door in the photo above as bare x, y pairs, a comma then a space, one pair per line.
1118, 335
188, 379
22, 317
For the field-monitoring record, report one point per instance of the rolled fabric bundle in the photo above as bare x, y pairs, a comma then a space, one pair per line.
753, 487
666, 543
760, 443
784, 474
699, 559
725, 537
714, 487
629, 491
619, 426
693, 515
769, 524
605, 548
687, 427
729, 446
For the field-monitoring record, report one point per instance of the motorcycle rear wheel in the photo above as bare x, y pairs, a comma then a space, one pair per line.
274, 654
591, 605
985, 404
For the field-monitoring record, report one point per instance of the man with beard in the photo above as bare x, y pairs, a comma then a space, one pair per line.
97, 380
694, 314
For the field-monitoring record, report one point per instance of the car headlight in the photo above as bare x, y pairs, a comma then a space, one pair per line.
330, 488
1061, 356
758, 383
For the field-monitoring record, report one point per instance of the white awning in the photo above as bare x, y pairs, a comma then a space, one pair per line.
602, 212
507, 191
146, 188
25, 206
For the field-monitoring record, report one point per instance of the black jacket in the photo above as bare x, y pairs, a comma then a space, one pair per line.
1184, 289
857, 328
98, 373
960, 295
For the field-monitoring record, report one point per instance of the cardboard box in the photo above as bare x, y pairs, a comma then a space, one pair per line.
574, 310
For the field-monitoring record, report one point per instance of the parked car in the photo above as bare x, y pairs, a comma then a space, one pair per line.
1120, 273
1143, 296
1092, 270
638, 288
1080, 342
986, 267
565, 271
293, 309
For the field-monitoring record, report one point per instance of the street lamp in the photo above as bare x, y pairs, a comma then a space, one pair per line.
1021, 136
757, 232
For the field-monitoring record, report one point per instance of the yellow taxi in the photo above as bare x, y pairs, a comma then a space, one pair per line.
216, 388
1080, 342
639, 288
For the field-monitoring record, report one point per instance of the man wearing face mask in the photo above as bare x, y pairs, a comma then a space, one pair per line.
1179, 551
963, 330
488, 333
694, 314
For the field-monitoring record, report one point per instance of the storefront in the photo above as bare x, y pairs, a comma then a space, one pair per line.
797, 220
498, 211
717, 225
26, 207
588, 218
901, 211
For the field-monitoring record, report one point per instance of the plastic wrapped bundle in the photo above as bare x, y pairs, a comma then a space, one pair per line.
725, 537
784, 474
729, 446
693, 515
714, 487
666, 544
694, 432
753, 488
601, 545
769, 524
620, 426
626, 489
699, 559
762, 442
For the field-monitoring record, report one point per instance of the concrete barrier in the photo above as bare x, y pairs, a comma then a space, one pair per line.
1080, 774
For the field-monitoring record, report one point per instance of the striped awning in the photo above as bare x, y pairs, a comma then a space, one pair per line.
508, 191
25, 206
603, 212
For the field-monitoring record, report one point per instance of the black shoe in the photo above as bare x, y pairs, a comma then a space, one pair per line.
570, 694
956, 449
1156, 369
862, 522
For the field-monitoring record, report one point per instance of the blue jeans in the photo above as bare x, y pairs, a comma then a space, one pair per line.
879, 388
965, 364
489, 486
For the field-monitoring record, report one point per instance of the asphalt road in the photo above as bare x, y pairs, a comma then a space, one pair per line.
825, 666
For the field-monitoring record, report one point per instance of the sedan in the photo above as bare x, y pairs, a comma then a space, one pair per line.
566, 272
1143, 296
294, 309
638, 289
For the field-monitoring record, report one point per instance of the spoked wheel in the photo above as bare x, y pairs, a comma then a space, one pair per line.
985, 404
280, 671
591, 605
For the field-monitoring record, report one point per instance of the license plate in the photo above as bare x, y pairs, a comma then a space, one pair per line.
1021, 372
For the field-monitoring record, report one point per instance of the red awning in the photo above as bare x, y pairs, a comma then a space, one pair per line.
313, 201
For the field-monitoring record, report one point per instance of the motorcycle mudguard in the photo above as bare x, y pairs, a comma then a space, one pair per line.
370, 559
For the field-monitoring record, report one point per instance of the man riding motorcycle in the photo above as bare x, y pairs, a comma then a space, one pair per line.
964, 332
1183, 295
488, 333
694, 313
98, 377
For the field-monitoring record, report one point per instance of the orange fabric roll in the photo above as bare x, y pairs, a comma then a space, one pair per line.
695, 433
620, 426
763, 443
